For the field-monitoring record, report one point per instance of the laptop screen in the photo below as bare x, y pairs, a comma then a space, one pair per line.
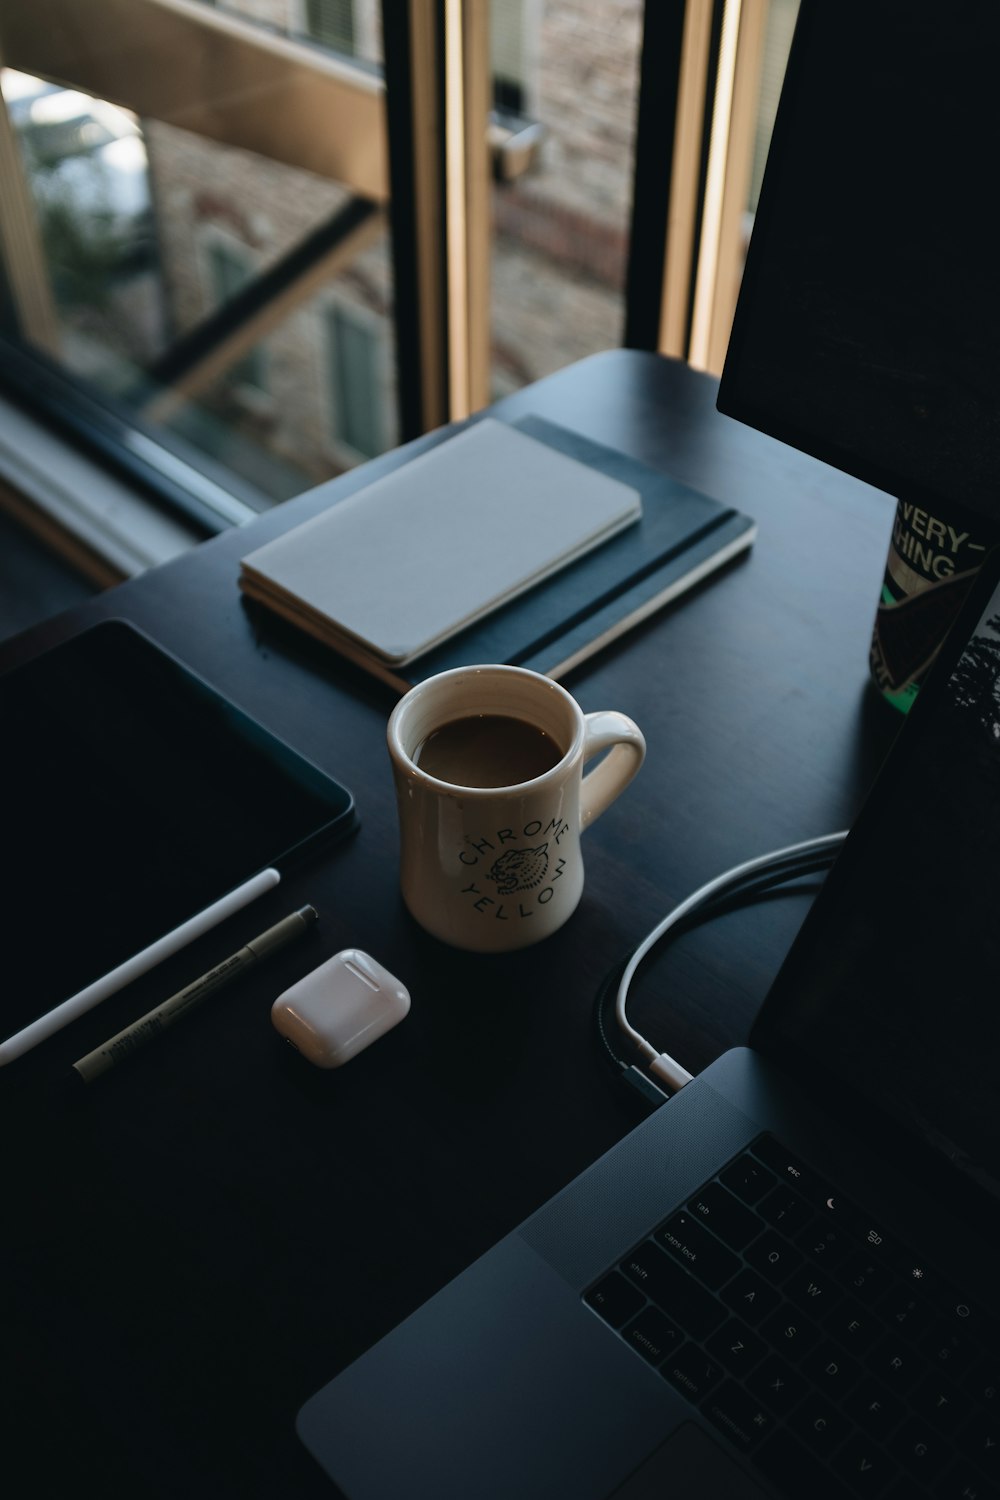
869, 311
891, 988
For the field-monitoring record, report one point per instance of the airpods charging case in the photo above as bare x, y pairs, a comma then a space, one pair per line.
340, 1008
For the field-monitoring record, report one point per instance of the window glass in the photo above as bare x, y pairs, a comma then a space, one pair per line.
88, 211
356, 388
231, 270
129, 237
165, 266
563, 180
507, 54
332, 23
777, 40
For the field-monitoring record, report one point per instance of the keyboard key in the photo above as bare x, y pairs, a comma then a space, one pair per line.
853, 1325
647, 1268
736, 1413
789, 1333
691, 1372
776, 1384
784, 1210
941, 1402
786, 1167
751, 1296
726, 1216
968, 1319
615, 1299
677, 1293
705, 1257
825, 1244
895, 1363
836, 1208
909, 1314
773, 1257
831, 1371
864, 1278
951, 1352
747, 1179
981, 1441
921, 1450
737, 1348
883, 1248
865, 1466
874, 1408
812, 1291
919, 1278
652, 1335
820, 1424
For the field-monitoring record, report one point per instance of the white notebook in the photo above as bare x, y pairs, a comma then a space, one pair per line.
406, 563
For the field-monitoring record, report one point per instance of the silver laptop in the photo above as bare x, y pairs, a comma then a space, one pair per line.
784, 1282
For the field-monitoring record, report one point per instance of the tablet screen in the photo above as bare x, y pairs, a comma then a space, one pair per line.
135, 797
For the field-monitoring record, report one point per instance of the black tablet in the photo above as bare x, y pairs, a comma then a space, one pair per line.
135, 796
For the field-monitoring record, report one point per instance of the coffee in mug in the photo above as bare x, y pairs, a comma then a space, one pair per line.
492, 792
488, 750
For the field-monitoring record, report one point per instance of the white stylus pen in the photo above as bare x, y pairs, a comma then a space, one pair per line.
140, 963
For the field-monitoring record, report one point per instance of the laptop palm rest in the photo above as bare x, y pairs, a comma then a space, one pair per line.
505, 1383
690, 1465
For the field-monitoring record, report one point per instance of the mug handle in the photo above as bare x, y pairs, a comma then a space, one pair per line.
624, 740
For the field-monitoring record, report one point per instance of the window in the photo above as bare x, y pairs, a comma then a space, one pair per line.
332, 23
357, 384
244, 202
142, 269
777, 41
561, 226
230, 269
508, 62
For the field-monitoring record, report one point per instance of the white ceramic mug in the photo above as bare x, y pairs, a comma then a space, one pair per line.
498, 867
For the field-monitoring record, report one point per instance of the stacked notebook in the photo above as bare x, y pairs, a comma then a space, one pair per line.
525, 544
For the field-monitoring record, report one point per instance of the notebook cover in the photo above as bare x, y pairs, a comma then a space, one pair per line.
419, 555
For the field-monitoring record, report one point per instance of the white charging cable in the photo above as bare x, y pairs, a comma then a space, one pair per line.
796, 859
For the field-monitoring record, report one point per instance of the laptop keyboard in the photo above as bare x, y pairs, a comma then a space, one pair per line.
822, 1348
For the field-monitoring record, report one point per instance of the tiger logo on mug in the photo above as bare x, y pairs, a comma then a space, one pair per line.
519, 869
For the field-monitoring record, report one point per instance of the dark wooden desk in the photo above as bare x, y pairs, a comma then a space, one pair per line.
193, 1246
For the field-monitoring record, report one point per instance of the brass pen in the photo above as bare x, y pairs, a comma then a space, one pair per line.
133, 1037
